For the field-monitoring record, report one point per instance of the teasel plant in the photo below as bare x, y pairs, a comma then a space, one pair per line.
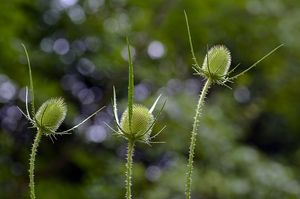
46, 121
214, 70
136, 124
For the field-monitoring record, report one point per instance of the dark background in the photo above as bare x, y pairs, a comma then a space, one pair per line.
248, 143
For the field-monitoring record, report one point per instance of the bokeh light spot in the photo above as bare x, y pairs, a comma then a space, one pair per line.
96, 133
156, 50
153, 173
7, 89
242, 94
67, 3
61, 46
85, 66
46, 45
77, 14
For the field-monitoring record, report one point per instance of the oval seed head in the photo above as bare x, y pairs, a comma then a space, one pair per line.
142, 119
219, 60
51, 114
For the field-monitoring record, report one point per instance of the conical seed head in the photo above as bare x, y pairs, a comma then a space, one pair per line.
140, 122
52, 113
218, 59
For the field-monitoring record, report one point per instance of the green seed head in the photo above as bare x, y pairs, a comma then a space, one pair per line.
217, 61
140, 123
51, 114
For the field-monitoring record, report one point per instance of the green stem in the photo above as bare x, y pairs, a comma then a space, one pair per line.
200, 105
32, 161
129, 168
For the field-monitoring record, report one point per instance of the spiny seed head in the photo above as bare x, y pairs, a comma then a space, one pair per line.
51, 114
140, 122
218, 59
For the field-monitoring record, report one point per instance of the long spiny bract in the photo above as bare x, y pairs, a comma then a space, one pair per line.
30, 80
130, 84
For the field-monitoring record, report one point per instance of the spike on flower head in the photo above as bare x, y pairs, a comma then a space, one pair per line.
141, 121
51, 114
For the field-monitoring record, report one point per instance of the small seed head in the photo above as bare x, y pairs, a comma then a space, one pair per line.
217, 61
140, 123
51, 114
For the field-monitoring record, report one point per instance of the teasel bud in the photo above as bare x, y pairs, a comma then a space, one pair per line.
51, 114
141, 122
217, 61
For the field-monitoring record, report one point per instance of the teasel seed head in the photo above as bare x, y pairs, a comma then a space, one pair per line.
217, 61
51, 114
141, 121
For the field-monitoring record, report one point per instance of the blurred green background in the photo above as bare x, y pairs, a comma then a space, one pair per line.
248, 144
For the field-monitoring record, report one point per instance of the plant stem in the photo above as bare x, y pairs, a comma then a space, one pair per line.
32, 161
200, 105
130, 151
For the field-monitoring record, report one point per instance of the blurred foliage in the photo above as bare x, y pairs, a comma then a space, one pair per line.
248, 144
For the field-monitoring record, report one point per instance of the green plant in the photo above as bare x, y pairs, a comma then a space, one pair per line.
215, 70
46, 121
136, 124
